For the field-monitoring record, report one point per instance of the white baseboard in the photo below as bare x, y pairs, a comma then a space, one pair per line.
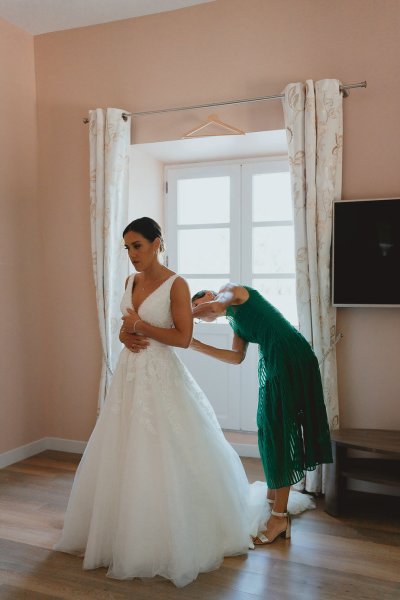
62, 445
77, 447
247, 450
22, 452
47, 443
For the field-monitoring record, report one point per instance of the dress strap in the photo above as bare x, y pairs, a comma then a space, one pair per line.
171, 280
126, 300
167, 285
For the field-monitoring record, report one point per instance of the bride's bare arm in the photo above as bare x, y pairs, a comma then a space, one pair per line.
181, 334
234, 356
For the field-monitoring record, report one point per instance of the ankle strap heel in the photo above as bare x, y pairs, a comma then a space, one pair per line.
278, 514
262, 539
288, 531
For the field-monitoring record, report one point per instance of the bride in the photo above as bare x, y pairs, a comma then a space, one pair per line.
159, 490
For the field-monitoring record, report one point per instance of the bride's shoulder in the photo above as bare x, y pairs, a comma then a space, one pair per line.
179, 285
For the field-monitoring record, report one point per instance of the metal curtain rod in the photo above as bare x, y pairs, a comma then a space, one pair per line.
343, 88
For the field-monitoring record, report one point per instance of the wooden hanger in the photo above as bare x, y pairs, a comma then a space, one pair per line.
213, 120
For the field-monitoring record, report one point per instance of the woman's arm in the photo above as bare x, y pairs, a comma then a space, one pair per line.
229, 295
233, 357
181, 334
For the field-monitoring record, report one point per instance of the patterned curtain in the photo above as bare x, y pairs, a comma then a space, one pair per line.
314, 127
109, 141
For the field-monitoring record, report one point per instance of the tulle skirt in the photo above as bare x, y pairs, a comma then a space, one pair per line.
159, 490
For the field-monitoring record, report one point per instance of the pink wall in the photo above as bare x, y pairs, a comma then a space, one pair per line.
21, 419
225, 49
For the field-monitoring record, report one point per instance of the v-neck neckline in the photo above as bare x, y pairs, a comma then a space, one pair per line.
147, 297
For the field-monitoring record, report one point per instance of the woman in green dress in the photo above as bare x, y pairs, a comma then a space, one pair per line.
293, 432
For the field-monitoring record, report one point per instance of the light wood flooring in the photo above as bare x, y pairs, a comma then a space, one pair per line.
354, 557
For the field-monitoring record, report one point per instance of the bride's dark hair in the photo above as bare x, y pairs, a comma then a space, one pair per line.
148, 228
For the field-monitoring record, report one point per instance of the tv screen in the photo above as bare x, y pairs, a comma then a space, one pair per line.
366, 252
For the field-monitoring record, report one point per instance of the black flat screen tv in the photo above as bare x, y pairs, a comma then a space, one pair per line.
366, 252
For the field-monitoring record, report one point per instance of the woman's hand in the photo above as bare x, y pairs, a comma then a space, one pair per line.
130, 320
208, 311
134, 343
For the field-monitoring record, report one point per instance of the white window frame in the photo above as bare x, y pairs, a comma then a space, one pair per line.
241, 225
239, 411
248, 170
198, 171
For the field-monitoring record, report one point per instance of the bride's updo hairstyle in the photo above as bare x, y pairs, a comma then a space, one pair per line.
148, 228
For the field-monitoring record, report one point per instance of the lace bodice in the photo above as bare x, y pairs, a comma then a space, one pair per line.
156, 308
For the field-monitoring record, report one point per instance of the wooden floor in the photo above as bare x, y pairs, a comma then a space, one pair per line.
353, 557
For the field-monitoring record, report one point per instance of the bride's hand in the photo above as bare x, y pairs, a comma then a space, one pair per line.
130, 320
134, 343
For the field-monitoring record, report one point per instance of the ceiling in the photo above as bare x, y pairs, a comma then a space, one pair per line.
44, 16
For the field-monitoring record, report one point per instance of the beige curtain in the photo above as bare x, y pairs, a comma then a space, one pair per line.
109, 141
313, 119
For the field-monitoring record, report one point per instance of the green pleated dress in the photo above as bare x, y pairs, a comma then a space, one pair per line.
293, 432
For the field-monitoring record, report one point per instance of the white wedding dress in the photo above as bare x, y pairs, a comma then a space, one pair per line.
159, 490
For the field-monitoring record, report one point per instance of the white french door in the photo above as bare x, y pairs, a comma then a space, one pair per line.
231, 222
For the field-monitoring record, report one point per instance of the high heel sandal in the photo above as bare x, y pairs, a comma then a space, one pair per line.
262, 539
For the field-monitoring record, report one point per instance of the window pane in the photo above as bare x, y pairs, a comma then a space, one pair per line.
203, 251
281, 293
273, 249
214, 285
202, 201
272, 199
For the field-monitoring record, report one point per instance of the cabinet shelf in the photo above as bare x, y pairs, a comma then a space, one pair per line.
375, 470
384, 470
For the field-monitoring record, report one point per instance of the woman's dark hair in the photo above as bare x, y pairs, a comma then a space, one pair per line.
201, 294
148, 228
